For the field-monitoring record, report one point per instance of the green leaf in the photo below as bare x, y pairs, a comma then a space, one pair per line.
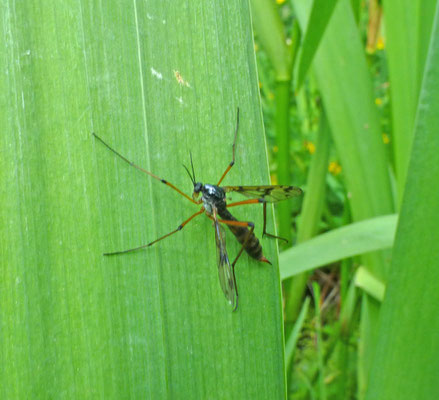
345, 83
270, 31
407, 356
319, 342
320, 15
290, 345
156, 81
408, 26
371, 285
353, 118
347, 241
311, 211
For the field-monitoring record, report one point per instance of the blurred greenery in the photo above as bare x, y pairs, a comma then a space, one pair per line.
352, 106
346, 89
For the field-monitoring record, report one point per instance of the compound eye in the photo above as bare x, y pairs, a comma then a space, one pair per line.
197, 187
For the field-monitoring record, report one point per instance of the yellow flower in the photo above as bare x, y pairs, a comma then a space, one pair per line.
380, 44
280, 1
334, 168
386, 138
378, 101
310, 146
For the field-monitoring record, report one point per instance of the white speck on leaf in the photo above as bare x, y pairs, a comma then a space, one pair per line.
157, 74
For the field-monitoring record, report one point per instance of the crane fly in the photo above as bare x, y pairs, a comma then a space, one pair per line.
213, 204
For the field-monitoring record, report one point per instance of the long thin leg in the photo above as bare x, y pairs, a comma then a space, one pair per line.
234, 143
244, 202
265, 225
255, 201
181, 226
144, 170
250, 225
244, 224
250, 232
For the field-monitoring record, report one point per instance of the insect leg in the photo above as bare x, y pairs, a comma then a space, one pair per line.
229, 167
180, 227
255, 201
144, 170
250, 225
265, 225
244, 202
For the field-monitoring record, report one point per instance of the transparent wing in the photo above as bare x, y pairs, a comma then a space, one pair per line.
270, 193
225, 273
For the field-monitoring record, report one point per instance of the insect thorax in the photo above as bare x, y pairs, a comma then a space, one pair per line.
213, 196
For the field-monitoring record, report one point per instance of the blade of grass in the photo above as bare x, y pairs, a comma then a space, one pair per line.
290, 344
311, 212
371, 285
348, 241
319, 342
346, 88
270, 31
320, 15
156, 81
406, 26
347, 323
426, 9
407, 356
345, 83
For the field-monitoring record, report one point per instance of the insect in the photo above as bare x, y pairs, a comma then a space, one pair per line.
213, 204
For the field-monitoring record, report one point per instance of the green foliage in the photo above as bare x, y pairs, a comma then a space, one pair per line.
367, 104
320, 15
408, 350
348, 241
155, 80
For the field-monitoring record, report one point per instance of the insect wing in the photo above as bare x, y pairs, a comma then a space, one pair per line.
270, 193
225, 272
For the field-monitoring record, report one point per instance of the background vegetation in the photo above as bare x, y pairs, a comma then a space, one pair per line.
362, 92
348, 94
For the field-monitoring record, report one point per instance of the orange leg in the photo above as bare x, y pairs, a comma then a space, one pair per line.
229, 167
256, 201
144, 170
244, 202
250, 225
181, 226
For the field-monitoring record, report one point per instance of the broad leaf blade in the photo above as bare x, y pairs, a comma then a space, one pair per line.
406, 362
155, 81
320, 15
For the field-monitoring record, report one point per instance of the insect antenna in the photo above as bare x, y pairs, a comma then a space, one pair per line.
191, 176
192, 165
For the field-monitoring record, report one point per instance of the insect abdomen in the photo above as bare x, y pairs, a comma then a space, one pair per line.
252, 247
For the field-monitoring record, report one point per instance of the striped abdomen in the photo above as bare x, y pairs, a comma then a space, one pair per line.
252, 247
